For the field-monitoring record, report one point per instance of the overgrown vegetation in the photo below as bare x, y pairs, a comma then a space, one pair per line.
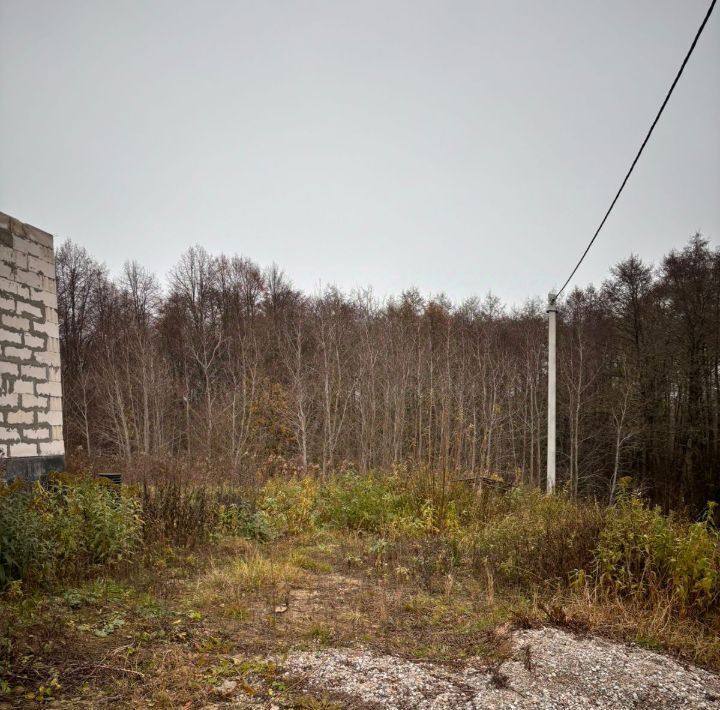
644, 554
65, 529
189, 515
68, 527
524, 538
430, 571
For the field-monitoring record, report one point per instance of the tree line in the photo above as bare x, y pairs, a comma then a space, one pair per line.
232, 365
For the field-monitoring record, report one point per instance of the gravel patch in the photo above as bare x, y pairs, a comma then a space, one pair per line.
549, 669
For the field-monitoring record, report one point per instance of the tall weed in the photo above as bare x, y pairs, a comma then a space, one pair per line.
64, 529
643, 553
362, 502
187, 515
290, 505
531, 538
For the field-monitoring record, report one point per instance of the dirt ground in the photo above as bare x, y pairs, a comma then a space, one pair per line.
319, 623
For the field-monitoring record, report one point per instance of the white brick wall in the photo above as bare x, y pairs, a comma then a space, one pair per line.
30, 388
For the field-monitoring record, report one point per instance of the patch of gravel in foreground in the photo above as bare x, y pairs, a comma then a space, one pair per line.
550, 669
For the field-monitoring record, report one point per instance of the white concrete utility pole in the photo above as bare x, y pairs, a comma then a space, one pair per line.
552, 391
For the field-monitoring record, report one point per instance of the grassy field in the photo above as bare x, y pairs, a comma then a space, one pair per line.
169, 595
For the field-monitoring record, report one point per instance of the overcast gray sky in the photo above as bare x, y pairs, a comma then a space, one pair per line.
454, 146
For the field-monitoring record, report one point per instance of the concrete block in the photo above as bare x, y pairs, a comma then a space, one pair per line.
43, 239
23, 450
20, 417
27, 246
54, 374
48, 358
8, 285
50, 417
49, 284
15, 322
32, 341
29, 309
10, 336
7, 434
45, 297
52, 447
37, 433
9, 399
52, 389
30, 401
7, 304
55, 404
41, 266
20, 260
24, 387
9, 368
20, 353
11, 288
28, 278
50, 329
33, 372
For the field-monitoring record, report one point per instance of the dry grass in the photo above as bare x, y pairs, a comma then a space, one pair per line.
654, 627
258, 572
178, 643
174, 630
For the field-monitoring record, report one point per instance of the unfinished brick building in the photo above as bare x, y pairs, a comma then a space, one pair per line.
31, 434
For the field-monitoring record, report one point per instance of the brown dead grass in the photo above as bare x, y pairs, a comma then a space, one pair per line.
191, 622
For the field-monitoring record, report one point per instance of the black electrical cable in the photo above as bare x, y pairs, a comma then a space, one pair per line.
644, 143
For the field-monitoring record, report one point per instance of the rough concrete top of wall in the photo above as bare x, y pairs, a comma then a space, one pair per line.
9, 227
31, 435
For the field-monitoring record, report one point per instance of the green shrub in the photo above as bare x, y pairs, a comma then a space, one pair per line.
63, 529
643, 553
396, 504
348, 501
290, 505
533, 538
368, 502
695, 566
242, 520
25, 548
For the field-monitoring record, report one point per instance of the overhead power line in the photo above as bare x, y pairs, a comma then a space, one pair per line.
644, 143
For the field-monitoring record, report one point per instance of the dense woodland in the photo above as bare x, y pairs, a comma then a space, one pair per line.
229, 364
